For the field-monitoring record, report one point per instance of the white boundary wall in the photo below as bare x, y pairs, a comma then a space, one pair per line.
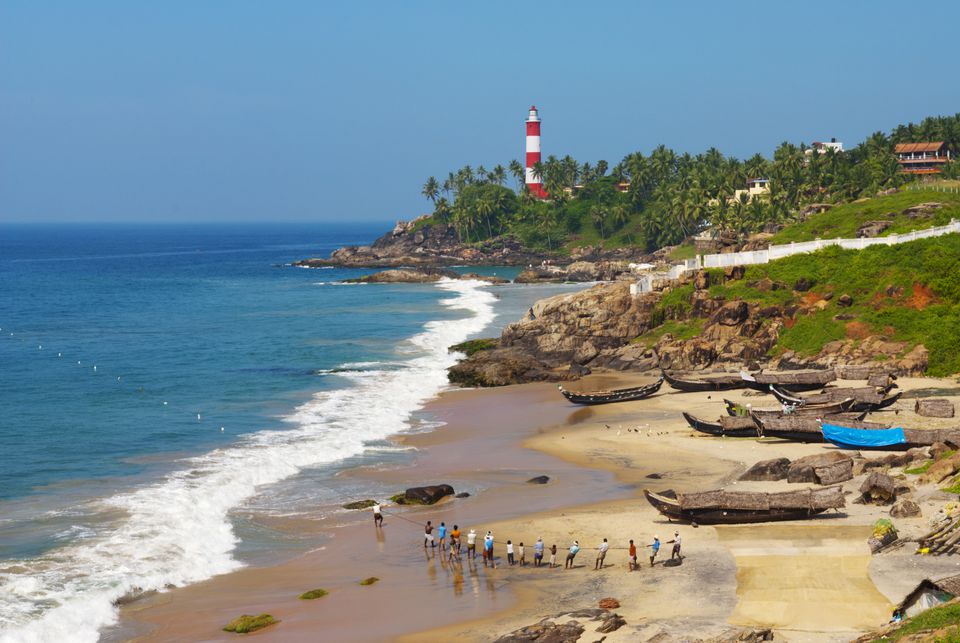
648, 283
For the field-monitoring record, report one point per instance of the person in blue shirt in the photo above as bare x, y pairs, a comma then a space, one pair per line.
538, 552
574, 548
442, 535
488, 550
655, 549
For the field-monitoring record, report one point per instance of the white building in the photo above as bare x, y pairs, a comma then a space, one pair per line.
819, 147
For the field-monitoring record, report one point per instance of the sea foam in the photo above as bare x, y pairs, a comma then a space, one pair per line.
177, 531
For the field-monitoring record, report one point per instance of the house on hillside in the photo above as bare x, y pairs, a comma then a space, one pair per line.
922, 158
929, 593
756, 188
821, 147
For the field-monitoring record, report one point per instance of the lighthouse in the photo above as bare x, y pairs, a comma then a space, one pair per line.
534, 184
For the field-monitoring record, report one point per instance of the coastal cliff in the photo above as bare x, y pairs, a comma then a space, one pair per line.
893, 306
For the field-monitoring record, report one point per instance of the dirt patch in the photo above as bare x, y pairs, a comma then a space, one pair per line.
811, 298
789, 323
857, 330
921, 297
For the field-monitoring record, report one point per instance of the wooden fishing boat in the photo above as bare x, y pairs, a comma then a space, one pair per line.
616, 395
715, 383
806, 410
792, 382
866, 398
735, 427
722, 507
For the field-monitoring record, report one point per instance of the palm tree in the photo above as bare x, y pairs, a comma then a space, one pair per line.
598, 214
431, 189
498, 175
485, 208
519, 173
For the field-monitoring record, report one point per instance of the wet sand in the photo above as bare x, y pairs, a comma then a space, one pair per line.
477, 451
790, 576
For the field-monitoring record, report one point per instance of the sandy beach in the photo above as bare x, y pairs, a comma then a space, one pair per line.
811, 580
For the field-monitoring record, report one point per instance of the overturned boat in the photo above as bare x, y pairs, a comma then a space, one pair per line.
723, 507
708, 383
616, 395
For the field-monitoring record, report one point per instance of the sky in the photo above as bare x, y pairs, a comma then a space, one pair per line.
235, 110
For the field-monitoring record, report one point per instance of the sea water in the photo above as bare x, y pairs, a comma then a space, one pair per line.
159, 382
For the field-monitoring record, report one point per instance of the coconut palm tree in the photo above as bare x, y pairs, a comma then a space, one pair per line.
598, 213
498, 175
431, 189
519, 174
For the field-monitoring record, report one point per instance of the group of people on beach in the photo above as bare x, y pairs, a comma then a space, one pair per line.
450, 544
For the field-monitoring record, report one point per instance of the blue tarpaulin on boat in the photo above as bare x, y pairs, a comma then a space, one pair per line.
846, 437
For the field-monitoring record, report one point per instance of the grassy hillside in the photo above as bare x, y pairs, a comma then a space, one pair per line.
905, 293
939, 624
843, 220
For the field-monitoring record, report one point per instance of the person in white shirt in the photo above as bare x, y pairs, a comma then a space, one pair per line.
601, 554
377, 515
510, 552
675, 553
472, 543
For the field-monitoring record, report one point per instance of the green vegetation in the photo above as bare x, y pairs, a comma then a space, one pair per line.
678, 329
883, 527
663, 198
369, 581
921, 469
472, 346
954, 488
313, 594
247, 623
906, 293
360, 504
944, 617
843, 221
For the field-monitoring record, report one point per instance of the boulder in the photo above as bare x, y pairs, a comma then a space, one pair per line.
539, 480
905, 508
463, 494
941, 470
830, 467
775, 469
938, 450
803, 284
427, 495
845, 301
872, 228
936, 407
546, 631
611, 623
701, 280
878, 488
733, 273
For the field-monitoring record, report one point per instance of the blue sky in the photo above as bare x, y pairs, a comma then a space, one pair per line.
232, 110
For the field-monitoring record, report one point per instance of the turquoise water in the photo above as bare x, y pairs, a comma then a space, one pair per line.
154, 380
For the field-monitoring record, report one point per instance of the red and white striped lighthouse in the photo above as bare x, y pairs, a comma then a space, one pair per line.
534, 184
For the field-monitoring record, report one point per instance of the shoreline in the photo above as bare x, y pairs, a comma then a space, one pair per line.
495, 439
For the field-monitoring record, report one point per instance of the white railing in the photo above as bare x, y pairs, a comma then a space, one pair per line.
649, 282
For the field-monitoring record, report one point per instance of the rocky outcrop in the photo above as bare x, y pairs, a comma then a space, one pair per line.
428, 495
579, 271
424, 275
549, 630
826, 468
775, 469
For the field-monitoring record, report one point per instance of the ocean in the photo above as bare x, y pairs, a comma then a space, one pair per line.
161, 386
